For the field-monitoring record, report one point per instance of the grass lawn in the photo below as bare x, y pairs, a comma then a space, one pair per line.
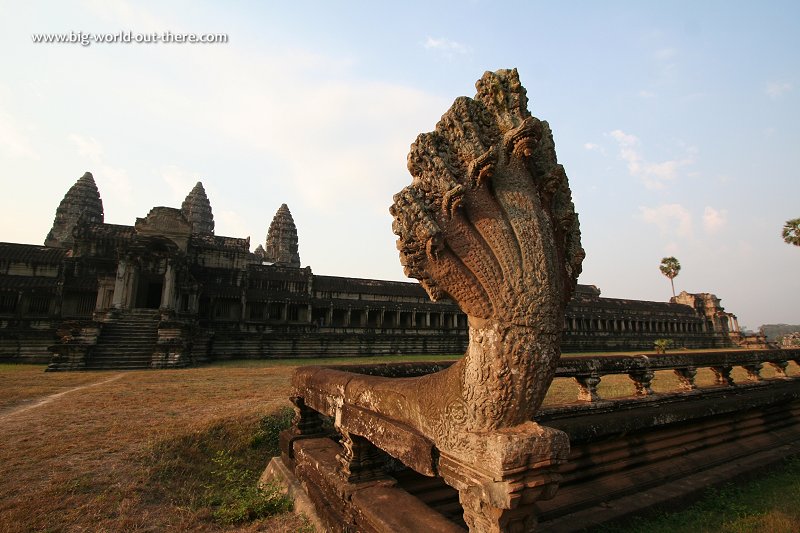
166, 450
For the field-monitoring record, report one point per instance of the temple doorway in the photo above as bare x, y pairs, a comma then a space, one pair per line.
149, 294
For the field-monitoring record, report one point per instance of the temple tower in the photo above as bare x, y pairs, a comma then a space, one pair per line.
82, 202
197, 210
281, 247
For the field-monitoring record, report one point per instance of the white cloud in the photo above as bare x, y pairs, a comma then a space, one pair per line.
714, 220
445, 46
646, 94
593, 147
775, 89
653, 175
671, 219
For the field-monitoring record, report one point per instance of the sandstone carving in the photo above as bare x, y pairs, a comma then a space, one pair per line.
487, 221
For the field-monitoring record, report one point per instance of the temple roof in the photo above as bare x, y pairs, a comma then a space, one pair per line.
82, 202
282, 247
197, 210
30, 253
216, 242
27, 282
368, 286
618, 305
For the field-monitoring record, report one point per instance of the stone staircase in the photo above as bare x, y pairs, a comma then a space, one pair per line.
127, 342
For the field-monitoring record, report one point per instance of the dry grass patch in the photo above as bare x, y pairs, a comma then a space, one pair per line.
108, 457
23, 384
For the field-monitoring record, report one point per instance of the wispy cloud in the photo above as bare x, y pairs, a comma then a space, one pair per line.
653, 175
592, 146
776, 89
446, 47
671, 219
713, 220
113, 178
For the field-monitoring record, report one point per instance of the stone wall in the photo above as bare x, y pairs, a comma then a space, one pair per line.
243, 308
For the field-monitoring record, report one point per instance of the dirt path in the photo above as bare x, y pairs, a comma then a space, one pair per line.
4, 414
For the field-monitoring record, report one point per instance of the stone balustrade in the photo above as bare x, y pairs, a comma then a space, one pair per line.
723, 408
589, 371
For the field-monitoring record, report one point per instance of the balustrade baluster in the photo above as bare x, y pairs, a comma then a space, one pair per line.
753, 371
686, 377
360, 460
723, 375
641, 380
588, 387
780, 368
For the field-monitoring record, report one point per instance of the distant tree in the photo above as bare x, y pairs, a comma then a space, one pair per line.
670, 268
662, 345
791, 231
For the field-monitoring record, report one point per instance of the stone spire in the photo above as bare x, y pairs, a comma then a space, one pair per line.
281, 247
260, 253
82, 202
197, 210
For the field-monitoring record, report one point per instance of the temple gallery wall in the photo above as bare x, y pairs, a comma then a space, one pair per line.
167, 291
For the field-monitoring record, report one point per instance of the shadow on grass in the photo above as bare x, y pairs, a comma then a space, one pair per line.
213, 471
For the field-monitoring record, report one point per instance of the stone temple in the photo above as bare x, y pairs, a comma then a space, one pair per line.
166, 291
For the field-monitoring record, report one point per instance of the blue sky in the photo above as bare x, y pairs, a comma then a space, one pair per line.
678, 124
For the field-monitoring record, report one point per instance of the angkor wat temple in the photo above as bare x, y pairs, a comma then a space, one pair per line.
169, 292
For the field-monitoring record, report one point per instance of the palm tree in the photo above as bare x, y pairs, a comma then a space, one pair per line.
670, 268
791, 232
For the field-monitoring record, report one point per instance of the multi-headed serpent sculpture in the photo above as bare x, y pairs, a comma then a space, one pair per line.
488, 221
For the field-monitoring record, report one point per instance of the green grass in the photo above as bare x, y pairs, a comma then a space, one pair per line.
767, 504
217, 469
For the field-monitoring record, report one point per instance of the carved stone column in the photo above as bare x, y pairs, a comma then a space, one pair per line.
686, 377
641, 380
122, 285
723, 375
360, 460
513, 469
168, 294
588, 388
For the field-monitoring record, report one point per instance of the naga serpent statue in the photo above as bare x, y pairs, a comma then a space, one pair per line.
488, 221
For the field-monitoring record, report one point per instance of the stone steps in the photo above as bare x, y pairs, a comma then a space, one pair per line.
126, 343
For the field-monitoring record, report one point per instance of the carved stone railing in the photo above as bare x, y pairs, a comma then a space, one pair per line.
368, 440
589, 371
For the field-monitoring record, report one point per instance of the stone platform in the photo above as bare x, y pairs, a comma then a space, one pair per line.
626, 455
